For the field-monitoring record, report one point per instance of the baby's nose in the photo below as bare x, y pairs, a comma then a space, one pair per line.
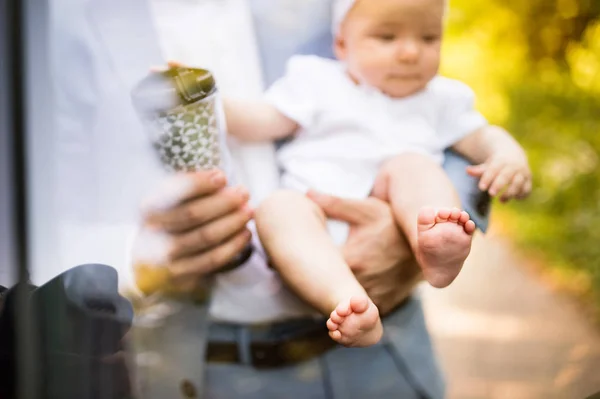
408, 51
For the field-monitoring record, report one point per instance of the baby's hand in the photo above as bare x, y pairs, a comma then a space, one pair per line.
505, 174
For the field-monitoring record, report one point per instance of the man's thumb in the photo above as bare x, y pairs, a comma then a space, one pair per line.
346, 210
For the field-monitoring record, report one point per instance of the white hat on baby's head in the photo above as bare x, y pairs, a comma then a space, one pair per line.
340, 10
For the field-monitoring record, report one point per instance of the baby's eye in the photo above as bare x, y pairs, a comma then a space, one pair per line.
430, 38
387, 37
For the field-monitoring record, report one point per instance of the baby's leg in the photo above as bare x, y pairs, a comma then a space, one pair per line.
427, 209
293, 232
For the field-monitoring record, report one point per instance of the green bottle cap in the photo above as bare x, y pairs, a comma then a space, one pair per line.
192, 84
166, 90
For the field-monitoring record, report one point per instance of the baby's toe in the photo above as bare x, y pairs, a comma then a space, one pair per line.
426, 216
443, 214
336, 318
335, 335
331, 326
464, 218
343, 309
359, 304
454, 215
470, 227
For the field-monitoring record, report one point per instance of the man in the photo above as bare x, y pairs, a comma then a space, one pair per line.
262, 342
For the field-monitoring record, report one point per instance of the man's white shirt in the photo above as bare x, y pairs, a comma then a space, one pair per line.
97, 211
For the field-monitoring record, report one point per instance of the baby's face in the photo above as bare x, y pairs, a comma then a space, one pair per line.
393, 45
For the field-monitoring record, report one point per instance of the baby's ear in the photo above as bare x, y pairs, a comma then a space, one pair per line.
339, 46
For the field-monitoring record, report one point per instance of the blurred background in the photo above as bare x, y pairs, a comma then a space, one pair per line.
522, 320
536, 68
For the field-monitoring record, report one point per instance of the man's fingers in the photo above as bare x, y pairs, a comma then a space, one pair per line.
197, 212
347, 210
210, 235
162, 68
206, 183
181, 187
212, 260
174, 64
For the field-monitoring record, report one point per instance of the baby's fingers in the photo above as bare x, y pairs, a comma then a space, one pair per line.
515, 188
488, 177
502, 180
526, 190
476, 170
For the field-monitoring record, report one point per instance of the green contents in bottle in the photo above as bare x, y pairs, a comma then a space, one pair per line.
179, 108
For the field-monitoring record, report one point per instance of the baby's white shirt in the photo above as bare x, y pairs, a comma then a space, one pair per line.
348, 130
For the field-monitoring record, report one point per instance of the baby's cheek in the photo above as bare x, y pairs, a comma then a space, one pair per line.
374, 73
431, 64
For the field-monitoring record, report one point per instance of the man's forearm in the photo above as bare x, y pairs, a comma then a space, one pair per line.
481, 145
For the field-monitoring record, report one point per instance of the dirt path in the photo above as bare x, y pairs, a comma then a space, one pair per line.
501, 333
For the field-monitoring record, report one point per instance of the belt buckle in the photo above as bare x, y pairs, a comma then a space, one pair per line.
290, 352
267, 354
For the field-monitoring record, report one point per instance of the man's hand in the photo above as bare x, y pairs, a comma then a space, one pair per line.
506, 174
375, 249
206, 225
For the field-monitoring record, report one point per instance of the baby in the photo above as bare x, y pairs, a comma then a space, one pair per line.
373, 122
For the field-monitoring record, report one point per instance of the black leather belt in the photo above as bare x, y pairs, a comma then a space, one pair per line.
274, 353
284, 352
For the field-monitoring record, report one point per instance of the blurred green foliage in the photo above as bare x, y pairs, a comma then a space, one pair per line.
535, 66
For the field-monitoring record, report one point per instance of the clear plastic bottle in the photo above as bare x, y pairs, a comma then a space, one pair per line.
179, 109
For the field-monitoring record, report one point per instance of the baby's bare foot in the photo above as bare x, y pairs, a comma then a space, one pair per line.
355, 323
444, 242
